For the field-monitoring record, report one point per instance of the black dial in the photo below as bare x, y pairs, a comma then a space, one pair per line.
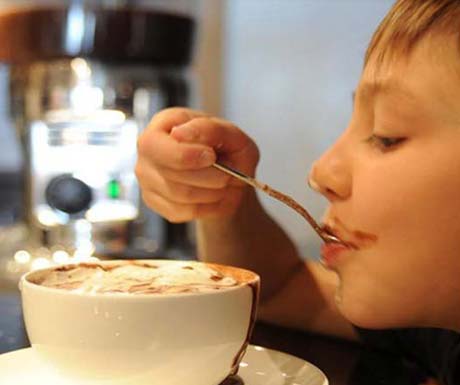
68, 194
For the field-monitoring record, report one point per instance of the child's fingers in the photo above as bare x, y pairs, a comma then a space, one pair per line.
161, 149
219, 134
205, 178
178, 192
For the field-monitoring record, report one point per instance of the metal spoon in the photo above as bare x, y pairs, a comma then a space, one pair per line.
325, 236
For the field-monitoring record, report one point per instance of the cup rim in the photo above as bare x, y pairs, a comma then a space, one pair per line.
25, 280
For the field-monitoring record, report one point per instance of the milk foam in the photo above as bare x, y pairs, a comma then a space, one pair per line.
138, 278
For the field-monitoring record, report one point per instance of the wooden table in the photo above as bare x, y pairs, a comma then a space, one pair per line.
344, 363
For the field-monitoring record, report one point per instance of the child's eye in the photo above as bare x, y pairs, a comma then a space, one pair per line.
383, 142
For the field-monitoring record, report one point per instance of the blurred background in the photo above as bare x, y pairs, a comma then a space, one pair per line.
80, 79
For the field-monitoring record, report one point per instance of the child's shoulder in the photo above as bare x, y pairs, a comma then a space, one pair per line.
436, 352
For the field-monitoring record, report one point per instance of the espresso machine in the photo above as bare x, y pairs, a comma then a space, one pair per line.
85, 79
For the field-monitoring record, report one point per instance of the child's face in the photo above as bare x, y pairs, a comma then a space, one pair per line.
405, 190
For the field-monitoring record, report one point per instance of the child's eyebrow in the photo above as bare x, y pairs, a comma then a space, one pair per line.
369, 90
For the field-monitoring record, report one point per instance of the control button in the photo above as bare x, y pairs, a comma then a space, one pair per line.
113, 189
68, 194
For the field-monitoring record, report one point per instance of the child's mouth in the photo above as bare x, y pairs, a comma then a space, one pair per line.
354, 239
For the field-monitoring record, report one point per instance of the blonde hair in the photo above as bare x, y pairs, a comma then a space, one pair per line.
407, 22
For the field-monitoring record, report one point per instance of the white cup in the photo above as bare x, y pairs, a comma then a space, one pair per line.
156, 339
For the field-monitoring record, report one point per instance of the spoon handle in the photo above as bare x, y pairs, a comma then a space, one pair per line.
279, 196
239, 175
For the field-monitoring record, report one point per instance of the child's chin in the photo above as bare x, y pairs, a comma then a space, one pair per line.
369, 314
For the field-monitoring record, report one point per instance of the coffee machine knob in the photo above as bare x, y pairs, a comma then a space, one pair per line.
68, 194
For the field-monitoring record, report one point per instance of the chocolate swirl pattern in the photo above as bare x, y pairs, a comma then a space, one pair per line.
138, 278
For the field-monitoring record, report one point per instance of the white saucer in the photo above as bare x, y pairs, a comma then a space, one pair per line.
260, 366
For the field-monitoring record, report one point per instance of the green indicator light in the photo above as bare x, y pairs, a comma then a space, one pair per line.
113, 189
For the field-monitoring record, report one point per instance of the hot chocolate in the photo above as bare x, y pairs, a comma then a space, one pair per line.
123, 319
135, 277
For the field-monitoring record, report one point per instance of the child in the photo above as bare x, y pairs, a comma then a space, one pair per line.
393, 183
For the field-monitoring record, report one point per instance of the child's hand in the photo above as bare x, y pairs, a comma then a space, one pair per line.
175, 154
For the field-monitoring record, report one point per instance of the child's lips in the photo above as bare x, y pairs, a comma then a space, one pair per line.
344, 241
331, 253
354, 239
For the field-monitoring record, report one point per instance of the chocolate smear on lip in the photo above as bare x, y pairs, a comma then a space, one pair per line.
365, 237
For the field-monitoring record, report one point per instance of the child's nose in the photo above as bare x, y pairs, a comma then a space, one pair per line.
330, 175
